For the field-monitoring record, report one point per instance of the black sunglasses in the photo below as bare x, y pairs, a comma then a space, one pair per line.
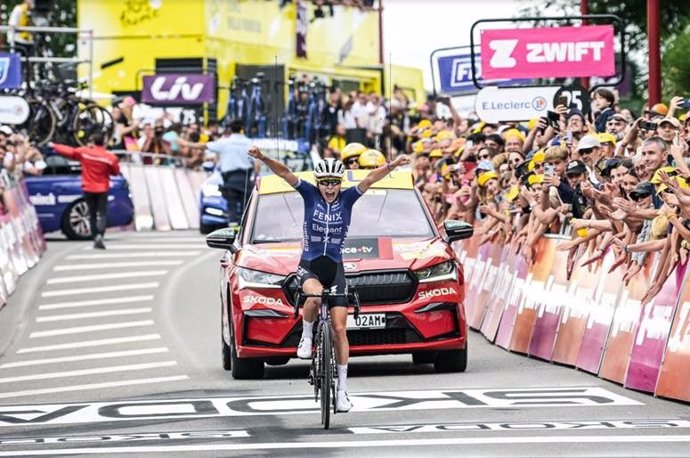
330, 182
352, 160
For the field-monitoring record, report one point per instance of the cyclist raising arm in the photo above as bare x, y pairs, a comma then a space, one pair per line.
327, 213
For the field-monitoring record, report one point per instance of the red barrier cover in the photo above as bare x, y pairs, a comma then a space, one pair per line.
673, 378
600, 316
550, 307
650, 340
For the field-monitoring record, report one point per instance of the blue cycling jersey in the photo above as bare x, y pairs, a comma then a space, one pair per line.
325, 225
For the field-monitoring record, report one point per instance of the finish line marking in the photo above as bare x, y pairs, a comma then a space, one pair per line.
357, 444
168, 409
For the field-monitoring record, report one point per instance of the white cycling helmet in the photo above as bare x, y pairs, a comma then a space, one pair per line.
329, 168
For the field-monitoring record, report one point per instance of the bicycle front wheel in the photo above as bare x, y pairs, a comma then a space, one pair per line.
91, 118
326, 366
40, 127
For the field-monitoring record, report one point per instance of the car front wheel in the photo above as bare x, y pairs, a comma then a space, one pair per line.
451, 360
244, 368
75, 222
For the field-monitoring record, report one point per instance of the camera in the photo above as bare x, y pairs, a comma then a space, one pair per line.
646, 125
552, 118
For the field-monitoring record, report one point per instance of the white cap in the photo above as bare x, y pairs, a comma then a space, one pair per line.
7, 130
588, 142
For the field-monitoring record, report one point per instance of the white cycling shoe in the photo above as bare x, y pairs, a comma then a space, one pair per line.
343, 403
304, 348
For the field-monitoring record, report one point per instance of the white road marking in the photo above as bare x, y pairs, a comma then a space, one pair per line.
83, 329
394, 444
79, 373
143, 254
114, 265
148, 245
115, 276
89, 343
81, 316
93, 302
69, 359
99, 289
92, 386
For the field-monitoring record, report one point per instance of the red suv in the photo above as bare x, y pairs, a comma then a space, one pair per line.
409, 280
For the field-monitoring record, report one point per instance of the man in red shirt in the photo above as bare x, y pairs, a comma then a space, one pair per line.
97, 165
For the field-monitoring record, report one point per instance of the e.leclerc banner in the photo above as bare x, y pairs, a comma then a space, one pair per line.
548, 52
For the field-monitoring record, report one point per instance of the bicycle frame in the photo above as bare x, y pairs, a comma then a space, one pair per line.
322, 369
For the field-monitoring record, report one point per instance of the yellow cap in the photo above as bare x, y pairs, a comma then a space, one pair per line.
444, 135
533, 123
656, 178
435, 153
513, 192
485, 177
538, 158
427, 133
418, 147
459, 152
423, 124
514, 133
478, 127
535, 179
681, 183
351, 150
372, 158
606, 137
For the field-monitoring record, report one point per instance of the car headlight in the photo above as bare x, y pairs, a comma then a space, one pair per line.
211, 190
444, 271
249, 278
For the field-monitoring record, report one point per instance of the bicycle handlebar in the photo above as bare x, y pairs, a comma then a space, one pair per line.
300, 297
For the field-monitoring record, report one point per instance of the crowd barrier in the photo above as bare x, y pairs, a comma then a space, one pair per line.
165, 197
21, 238
591, 321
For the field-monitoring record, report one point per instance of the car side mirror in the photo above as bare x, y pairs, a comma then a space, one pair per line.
222, 238
457, 230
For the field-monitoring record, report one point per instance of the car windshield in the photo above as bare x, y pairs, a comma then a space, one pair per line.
378, 213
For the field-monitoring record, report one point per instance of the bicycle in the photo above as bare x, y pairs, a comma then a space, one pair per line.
322, 372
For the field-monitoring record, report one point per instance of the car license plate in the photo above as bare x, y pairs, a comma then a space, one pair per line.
367, 321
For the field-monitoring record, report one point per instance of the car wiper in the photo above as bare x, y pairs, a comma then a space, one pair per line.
383, 204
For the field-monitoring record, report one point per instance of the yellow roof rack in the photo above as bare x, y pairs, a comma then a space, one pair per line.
399, 179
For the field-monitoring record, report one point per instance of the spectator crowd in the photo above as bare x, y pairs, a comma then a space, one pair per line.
612, 181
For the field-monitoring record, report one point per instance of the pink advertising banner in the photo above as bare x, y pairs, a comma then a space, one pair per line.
650, 341
500, 293
486, 291
600, 316
550, 306
548, 52
474, 286
518, 289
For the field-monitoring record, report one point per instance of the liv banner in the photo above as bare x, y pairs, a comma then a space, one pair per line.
179, 89
548, 52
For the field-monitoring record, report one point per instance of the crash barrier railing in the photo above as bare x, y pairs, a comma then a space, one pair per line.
21, 238
591, 321
164, 191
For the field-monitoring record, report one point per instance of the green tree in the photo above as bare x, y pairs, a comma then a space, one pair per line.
55, 13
